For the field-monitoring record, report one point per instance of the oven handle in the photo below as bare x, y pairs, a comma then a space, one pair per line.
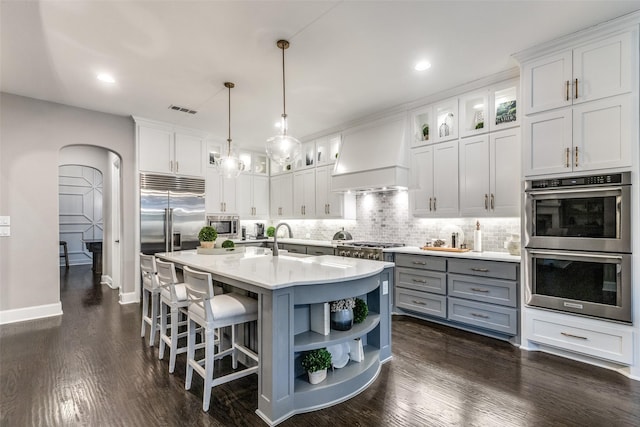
575, 254
574, 190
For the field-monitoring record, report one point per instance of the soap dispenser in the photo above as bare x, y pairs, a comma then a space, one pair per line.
477, 238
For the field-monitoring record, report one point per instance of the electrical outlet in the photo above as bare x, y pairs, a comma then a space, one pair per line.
385, 287
5, 231
5, 220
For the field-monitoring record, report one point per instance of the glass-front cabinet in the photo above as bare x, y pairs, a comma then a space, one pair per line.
503, 111
422, 122
327, 149
446, 120
474, 110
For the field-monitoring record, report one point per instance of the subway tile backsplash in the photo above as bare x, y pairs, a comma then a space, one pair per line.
385, 217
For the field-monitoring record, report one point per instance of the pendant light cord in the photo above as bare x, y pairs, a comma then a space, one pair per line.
284, 99
229, 138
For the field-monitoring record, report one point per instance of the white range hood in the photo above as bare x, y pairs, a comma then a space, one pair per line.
373, 157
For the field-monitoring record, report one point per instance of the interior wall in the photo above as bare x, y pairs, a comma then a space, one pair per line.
32, 132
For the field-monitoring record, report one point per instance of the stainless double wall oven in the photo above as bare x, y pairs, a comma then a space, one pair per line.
578, 244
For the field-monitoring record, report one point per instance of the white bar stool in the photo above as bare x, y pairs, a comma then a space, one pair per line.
150, 290
213, 312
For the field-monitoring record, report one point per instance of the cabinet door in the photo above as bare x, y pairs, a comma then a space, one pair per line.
602, 134
421, 194
189, 155
445, 179
282, 196
261, 196
423, 128
474, 176
229, 195
548, 143
304, 193
603, 68
504, 170
155, 149
474, 112
274, 196
504, 105
446, 120
245, 196
213, 197
547, 82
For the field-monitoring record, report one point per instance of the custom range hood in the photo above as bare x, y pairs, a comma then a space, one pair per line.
373, 157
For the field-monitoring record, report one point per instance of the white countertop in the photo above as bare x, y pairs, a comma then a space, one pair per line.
292, 241
257, 266
487, 256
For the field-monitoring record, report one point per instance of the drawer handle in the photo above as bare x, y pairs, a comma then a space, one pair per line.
566, 334
420, 262
419, 280
482, 316
480, 290
482, 270
418, 302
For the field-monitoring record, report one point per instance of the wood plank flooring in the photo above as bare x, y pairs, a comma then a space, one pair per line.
91, 368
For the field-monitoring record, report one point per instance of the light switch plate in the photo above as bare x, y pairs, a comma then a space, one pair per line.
5, 231
5, 220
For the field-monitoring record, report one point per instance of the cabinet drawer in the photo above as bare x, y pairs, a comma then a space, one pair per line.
296, 249
590, 338
493, 291
422, 280
487, 316
497, 269
422, 262
319, 250
421, 302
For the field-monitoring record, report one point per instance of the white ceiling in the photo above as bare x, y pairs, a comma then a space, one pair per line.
347, 59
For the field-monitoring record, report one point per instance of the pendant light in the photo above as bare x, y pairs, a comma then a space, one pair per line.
230, 165
282, 148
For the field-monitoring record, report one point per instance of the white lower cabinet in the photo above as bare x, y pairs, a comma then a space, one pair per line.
253, 196
281, 195
590, 337
434, 172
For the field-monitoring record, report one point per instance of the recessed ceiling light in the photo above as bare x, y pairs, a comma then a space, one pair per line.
422, 65
107, 78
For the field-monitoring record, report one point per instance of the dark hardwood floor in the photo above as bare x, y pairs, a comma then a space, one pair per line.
91, 368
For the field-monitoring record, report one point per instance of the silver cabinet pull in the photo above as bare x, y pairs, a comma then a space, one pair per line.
430, 203
221, 207
479, 290
419, 262
171, 165
576, 156
177, 166
481, 270
434, 204
493, 202
419, 280
566, 334
486, 202
418, 302
566, 163
576, 88
567, 96
482, 316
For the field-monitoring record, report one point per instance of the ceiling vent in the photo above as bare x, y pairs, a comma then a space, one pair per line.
182, 109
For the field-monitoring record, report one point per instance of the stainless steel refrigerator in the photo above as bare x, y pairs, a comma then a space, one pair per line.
172, 212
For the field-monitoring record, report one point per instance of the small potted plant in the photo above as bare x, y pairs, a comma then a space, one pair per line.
360, 311
342, 314
316, 362
271, 231
207, 236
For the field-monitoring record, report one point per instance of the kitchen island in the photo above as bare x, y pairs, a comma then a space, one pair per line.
287, 287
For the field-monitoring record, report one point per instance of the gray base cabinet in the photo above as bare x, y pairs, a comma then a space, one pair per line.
475, 295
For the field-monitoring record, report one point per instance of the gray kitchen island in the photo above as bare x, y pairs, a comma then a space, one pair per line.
286, 287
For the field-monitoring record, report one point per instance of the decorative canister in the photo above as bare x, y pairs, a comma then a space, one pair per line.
342, 320
513, 244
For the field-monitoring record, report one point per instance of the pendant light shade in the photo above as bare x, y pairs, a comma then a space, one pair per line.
230, 166
282, 148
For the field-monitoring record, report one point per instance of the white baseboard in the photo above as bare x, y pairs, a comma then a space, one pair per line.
129, 298
107, 280
30, 313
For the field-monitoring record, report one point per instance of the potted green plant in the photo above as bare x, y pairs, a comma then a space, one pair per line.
207, 236
271, 231
228, 244
342, 314
316, 362
360, 311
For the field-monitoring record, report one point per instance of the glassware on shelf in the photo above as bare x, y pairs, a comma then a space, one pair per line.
445, 126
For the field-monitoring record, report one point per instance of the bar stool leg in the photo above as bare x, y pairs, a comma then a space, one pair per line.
155, 300
145, 308
191, 352
163, 328
208, 368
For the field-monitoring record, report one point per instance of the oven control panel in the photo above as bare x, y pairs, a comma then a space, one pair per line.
591, 180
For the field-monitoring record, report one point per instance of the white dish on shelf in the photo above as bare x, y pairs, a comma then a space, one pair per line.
339, 354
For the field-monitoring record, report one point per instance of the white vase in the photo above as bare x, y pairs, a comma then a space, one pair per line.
317, 376
513, 244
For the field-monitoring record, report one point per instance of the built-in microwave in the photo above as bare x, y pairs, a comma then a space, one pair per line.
227, 226
586, 213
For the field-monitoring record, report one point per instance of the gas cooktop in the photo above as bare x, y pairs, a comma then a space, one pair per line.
365, 244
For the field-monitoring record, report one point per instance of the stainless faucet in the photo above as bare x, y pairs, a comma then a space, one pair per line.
275, 237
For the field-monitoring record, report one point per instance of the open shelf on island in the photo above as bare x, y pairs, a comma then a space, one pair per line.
310, 340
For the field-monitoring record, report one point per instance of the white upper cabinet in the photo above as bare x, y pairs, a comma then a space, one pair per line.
330, 204
422, 126
446, 120
505, 188
327, 149
221, 193
504, 105
304, 193
253, 196
281, 194
161, 149
474, 113
592, 71
434, 171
